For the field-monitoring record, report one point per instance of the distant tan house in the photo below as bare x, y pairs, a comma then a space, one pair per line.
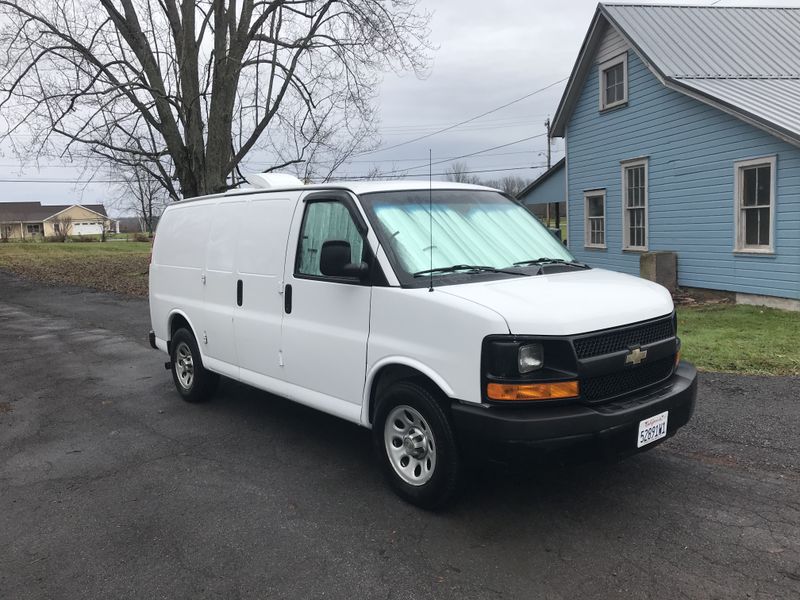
23, 220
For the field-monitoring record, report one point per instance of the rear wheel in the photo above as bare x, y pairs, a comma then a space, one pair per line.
193, 382
416, 445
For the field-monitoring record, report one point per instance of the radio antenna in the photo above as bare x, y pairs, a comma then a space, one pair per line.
430, 212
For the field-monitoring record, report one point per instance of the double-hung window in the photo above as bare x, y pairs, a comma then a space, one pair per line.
613, 75
595, 219
755, 205
634, 204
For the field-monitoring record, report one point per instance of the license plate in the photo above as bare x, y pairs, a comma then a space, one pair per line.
652, 429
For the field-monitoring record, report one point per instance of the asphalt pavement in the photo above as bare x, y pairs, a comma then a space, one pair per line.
112, 487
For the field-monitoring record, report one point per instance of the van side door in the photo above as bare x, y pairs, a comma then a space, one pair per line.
326, 316
260, 259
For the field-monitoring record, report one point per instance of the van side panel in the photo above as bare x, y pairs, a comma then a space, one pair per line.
177, 266
260, 257
220, 288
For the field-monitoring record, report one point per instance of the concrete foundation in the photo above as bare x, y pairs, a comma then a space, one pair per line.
661, 267
769, 301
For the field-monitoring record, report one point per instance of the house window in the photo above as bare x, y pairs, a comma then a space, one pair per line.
634, 202
755, 204
595, 219
33, 228
614, 82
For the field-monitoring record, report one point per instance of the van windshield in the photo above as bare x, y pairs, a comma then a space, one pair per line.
475, 233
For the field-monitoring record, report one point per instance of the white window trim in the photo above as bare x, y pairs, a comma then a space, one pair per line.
586, 229
612, 62
635, 162
739, 246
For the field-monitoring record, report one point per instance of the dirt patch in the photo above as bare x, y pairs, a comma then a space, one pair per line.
123, 273
5, 407
701, 297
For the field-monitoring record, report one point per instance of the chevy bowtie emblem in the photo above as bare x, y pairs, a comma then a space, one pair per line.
635, 356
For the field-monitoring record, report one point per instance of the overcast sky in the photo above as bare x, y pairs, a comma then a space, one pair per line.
488, 53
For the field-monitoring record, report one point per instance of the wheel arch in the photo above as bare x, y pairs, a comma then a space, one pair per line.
391, 370
177, 320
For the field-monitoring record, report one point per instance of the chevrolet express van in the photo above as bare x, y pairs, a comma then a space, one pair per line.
444, 317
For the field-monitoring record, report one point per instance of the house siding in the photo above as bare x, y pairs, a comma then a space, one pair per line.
73, 215
612, 44
552, 189
691, 148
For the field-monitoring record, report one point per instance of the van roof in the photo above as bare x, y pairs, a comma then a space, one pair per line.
357, 187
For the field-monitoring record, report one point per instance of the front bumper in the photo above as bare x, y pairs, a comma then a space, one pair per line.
610, 427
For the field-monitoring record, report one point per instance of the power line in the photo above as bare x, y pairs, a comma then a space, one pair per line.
407, 159
459, 124
452, 158
62, 181
437, 125
341, 178
387, 176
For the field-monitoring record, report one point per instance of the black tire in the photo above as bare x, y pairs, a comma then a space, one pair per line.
202, 384
445, 470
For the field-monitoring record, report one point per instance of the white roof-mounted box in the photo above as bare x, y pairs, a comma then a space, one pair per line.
273, 180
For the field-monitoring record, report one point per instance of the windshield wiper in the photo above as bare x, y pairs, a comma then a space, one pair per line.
467, 268
551, 261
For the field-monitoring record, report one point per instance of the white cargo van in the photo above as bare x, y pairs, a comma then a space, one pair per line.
444, 317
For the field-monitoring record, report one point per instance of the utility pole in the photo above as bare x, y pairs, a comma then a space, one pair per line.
556, 206
547, 126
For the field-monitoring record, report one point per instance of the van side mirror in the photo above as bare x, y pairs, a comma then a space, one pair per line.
334, 261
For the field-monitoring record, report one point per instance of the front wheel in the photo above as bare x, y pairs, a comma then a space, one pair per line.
416, 445
193, 382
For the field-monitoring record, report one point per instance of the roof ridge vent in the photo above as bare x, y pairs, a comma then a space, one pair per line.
273, 180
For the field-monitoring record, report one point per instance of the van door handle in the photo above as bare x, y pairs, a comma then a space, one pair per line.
287, 299
239, 290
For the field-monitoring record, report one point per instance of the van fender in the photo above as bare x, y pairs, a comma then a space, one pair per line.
406, 362
178, 312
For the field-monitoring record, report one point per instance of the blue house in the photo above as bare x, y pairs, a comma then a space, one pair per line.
682, 133
547, 192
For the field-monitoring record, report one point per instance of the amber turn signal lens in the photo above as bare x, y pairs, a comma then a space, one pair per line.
532, 391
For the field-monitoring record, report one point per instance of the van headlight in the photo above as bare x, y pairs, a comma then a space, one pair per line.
530, 358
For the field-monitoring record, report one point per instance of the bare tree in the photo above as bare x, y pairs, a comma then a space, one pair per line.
61, 228
144, 194
188, 89
459, 173
510, 184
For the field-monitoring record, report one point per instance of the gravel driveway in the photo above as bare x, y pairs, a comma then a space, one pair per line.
111, 487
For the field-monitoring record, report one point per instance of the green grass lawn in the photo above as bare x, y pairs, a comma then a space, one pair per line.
111, 266
741, 339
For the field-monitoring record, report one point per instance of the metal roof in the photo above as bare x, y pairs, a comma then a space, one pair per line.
744, 61
15, 212
718, 42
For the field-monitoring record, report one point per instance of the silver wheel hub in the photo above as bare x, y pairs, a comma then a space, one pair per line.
184, 365
409, 445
